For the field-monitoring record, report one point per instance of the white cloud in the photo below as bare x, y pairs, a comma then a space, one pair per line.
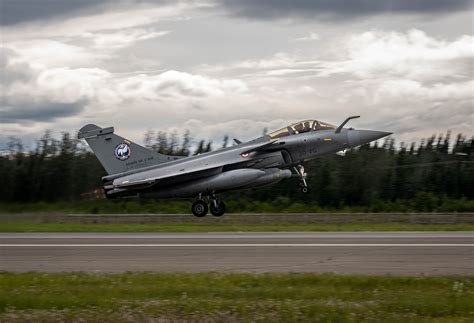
409, 90
412, 55
277, 65
310, 37
396, 79
52, 53
119, 19
376, 54
176, 84
86, 50
92, 40
31, 91
120, 39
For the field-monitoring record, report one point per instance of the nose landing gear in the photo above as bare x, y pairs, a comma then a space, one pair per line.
299, 169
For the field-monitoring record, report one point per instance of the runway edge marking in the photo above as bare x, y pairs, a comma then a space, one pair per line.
237, 245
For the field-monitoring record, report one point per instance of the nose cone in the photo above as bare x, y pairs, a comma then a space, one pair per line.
361, 137
367, 136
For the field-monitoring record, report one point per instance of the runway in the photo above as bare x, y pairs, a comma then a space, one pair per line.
379, 253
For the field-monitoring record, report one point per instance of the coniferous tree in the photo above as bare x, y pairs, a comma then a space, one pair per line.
208, 147
184, 150
225, 141
161, 144
200, 148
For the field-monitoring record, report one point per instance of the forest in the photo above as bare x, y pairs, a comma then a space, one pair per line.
435, 174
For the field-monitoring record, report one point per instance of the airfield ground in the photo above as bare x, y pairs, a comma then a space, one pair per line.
298, 222
374, 276
233, 297
379, 253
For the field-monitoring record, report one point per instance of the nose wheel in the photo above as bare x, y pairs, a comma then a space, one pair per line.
299, 169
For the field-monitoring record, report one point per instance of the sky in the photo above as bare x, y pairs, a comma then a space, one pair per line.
235, 67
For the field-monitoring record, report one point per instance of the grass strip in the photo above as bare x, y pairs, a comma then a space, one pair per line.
233, 297
226, 227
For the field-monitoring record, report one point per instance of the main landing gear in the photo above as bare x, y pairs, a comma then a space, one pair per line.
299, 169
200, 207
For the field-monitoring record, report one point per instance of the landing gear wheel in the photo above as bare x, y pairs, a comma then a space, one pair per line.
305, 190
217, 207
199, 208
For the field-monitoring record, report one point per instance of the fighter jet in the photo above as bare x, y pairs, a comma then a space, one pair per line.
135, 171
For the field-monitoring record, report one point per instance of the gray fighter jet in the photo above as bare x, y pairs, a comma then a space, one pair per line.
134, 171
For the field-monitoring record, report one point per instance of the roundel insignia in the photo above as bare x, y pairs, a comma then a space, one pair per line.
123, 151
244, 154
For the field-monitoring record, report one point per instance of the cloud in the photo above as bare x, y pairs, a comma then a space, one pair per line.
33, 93
278, 60
138, 64
120, 17
310, 37
11, 69
119, 39
277, 64
20, 110
337, 9
21, 11
176, 84
412, 55
25, 11
409, 90
406, 82
89, 49
409, 82
53, 53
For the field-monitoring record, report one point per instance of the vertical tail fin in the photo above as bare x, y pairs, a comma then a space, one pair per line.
117, 154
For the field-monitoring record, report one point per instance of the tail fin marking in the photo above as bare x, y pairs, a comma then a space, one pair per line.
117, 154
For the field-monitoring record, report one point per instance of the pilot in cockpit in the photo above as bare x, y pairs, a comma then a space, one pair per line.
307, 126
302, 127
298, 127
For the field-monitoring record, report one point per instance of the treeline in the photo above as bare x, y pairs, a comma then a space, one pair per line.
435, 174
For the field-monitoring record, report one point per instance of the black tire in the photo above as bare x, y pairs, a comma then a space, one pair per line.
199, 208
305, 190
218, 210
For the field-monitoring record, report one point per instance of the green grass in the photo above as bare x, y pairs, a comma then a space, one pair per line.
225, 227
236, 204
234, 297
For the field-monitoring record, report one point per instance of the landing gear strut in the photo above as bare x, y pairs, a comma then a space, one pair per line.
217, 207
299, 169
200, 207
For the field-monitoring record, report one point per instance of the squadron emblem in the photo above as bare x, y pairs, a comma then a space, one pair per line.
123, 151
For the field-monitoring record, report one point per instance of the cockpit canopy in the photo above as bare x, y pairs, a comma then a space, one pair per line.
300, 127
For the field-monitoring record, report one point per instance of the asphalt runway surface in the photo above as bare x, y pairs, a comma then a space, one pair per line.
379, 253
